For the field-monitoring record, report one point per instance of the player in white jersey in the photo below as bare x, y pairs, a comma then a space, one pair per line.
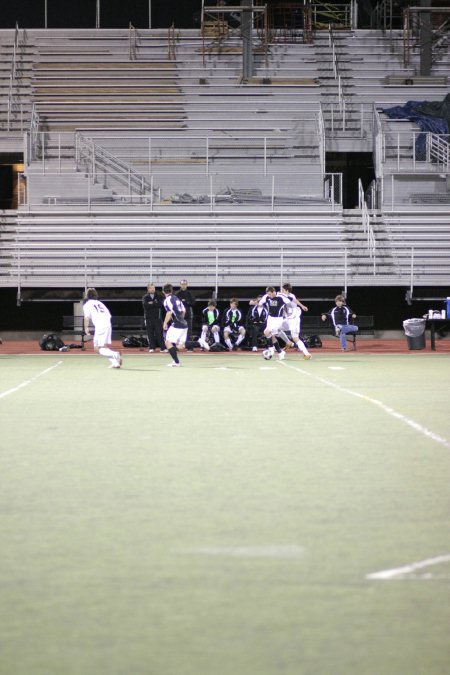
292, 319
96, 312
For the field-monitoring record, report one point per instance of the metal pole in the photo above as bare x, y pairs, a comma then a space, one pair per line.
345, 272
281, 266
273, 191
216, 289
411, 285
149, 13
97, 15
265, 156
45, 15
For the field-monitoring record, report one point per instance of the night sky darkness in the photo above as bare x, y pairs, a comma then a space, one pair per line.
113, 13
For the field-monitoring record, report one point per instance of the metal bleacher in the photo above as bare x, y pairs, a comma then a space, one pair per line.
143, 161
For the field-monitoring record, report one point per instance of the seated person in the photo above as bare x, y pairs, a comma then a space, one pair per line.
256, 322
232, 325
340, 316
210, 325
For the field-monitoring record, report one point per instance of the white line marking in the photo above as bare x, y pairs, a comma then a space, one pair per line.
30, 381
335, 368
270, 551
390, 411
407, 569
267, 368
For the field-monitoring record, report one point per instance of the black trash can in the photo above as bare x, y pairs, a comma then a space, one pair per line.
415, 333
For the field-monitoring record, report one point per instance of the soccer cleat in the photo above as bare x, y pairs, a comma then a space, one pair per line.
114, 364
307, 357
150, 351
254, 349
281, 355
173, 365
118, 357
163, 351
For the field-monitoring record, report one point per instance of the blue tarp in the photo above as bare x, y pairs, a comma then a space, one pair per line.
416, 111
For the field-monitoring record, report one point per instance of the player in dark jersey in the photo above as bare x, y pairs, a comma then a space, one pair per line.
175, 324
276, 309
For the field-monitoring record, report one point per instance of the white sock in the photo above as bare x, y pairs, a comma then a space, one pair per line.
229, 343
105, 351
216, 338
239, 340
203, 337
302, 348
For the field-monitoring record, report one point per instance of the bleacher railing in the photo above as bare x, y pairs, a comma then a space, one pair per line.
191, 191
145, 153
367, 223
14, 104
100, 164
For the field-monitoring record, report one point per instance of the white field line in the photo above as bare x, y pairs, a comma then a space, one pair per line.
385, 408
407, 569
20, 386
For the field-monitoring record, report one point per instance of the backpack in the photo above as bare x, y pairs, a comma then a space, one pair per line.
312, 341
51, 343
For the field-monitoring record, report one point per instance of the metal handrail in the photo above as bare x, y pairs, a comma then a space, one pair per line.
366, 221
171, 43
132, 42
94, 157
12, 77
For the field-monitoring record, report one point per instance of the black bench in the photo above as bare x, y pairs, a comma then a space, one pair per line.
315, 325
120, 324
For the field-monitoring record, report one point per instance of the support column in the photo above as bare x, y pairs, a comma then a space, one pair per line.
247, 40
425, 37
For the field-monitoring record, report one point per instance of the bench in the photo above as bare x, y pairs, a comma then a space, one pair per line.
315, 325
74, 325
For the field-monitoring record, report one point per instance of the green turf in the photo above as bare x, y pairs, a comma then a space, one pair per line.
221, 518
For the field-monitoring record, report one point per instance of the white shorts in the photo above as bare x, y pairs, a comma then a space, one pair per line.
274, 323
177, 336
292, 324
102, 335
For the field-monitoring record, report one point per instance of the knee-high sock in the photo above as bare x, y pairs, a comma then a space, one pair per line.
173, 353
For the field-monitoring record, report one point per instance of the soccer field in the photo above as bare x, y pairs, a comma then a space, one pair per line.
231, 517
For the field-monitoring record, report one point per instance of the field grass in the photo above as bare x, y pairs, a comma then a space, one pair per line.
222, 518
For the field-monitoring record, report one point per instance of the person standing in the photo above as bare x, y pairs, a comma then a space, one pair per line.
96, 312
175, 324
340, 316
152, 303
188, 301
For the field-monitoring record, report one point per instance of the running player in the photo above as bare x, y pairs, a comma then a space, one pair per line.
275, 305
292, 321
177, 330
96, 312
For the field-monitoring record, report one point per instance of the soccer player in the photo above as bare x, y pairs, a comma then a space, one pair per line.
293, 318
210, 325
96, 312
340, 316
232, 325
177, 330
276, 309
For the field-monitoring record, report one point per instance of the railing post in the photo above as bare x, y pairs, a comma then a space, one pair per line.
345, 271
216, 282
265, 155
59, 152
273, 191
411, 284
211, 193
151, 192
149, 155
281, 266
207, 155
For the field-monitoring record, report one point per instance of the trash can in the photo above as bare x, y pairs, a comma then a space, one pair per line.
415, 333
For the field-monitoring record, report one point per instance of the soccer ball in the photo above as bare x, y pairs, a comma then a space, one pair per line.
267, 354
